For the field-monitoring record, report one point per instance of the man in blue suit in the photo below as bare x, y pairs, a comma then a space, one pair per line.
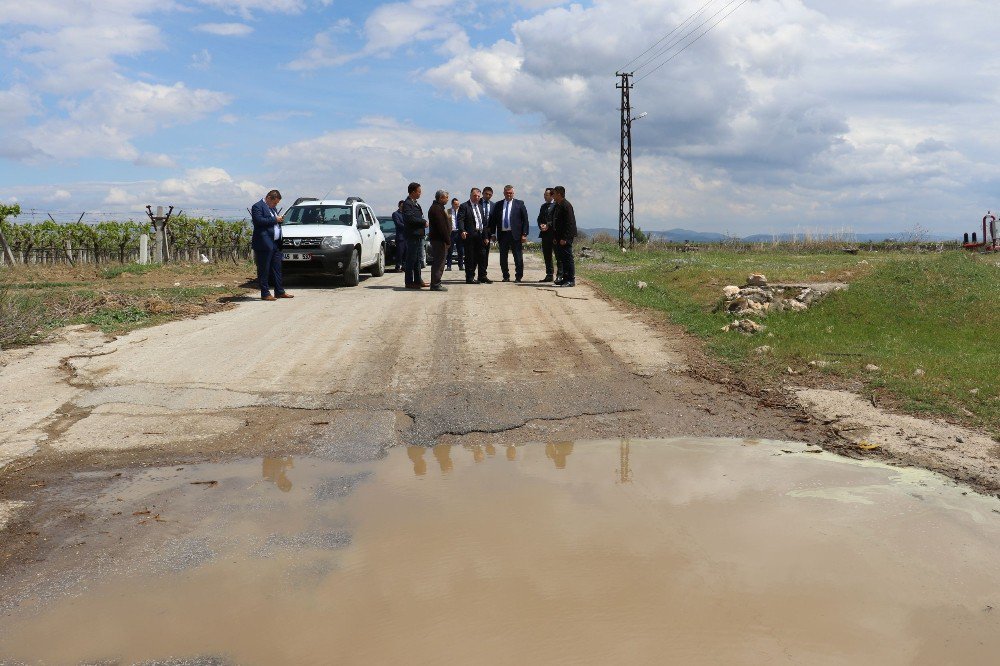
509, 225
266, 244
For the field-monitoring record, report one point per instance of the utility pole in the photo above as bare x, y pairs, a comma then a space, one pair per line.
161, 250
626, 204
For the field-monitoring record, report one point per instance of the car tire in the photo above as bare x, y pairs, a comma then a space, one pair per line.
352, 274
378, 268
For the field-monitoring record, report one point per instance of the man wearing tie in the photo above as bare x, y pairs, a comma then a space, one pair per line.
474, 229
457, 246
266, 244
488, 201
509, 225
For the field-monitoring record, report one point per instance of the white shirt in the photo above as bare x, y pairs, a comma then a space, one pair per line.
274, 216
454, 219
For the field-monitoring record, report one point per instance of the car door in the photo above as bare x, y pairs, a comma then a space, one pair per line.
365, 225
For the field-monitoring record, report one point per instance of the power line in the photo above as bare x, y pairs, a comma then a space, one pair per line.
680, 40
678, 27
693, 41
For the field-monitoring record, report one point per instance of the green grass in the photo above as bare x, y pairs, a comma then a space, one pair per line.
132, 269
934, 312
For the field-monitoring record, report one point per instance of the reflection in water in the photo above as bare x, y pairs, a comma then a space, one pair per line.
477, 452
511, 452
442, 453
416, 454
624, 470
558, 453
274, 471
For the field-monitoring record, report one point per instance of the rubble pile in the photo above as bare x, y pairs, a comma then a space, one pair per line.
758, 297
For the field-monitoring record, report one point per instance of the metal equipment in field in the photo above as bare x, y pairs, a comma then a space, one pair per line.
989, 241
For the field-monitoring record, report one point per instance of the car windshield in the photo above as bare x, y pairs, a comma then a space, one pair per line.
388, 226
339, 215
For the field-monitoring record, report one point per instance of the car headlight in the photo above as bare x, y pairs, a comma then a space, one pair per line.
332, 242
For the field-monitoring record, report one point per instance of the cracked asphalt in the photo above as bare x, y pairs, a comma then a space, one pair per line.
346, 374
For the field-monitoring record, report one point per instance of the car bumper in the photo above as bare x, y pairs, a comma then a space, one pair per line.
321, 261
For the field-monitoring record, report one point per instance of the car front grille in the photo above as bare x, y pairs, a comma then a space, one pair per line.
295, 243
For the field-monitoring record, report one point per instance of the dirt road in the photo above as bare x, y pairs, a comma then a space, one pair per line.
350, 372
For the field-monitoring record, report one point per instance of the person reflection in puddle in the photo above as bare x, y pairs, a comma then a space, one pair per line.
416, 454
274, 471
442, 453
511, 452
558, 453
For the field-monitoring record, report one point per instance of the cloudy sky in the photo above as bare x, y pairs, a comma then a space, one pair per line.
816, 115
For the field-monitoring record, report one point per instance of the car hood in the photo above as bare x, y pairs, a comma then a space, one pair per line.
314, 230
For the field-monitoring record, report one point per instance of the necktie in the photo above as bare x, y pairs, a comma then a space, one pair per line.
506, 216
479, 219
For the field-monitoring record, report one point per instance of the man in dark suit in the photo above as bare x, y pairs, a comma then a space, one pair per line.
474, 228
439, 234
564, 231
397, 221
457, 246
413, 217
509, 225
545, 233
266, 244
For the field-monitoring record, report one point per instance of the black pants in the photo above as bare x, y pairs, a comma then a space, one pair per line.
269, 270
547, 253
414, 245
477, 256
457, 249
511, 244
568, 265
438, 253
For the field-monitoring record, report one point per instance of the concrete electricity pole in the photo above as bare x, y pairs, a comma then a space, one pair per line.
161, 251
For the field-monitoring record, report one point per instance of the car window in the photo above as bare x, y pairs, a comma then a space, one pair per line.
367, 215
388, 226
336, 215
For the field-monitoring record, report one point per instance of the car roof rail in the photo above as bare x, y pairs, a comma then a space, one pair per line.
351, 200
301, 199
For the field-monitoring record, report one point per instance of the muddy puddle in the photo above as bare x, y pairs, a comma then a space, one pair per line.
676, 551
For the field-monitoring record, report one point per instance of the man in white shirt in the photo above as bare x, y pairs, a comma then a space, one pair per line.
457, 246
266, 244
474, 228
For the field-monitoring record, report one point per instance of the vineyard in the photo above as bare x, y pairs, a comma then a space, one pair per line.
188, 239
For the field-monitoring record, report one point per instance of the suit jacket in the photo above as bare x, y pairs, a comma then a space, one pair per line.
440, 229
564, 221
413, 216
467, 219
264, 220
519, 225
400, 224
545, 214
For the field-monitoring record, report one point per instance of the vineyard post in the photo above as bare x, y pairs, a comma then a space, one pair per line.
144, 249
161, 252
5, 212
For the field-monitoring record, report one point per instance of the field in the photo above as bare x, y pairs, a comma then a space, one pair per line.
930, 321
36, 299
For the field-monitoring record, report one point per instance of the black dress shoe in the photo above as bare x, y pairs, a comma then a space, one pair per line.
506, 279
438, 287
471, 282
547, 278
517, 279
485, 281
559, 283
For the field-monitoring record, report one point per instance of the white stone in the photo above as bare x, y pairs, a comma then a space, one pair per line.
871, 367
919, 372
730, 291
642, 285
757, 280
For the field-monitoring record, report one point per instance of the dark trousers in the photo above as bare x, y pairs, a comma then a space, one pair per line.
438, 252
511, 244
414, 245
269, 270
457, 249
547, 253
477, 256
400, 251
568, 265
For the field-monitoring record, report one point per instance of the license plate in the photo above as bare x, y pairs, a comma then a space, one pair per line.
297, 256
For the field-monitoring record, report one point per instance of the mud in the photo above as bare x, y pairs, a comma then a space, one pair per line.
680, 551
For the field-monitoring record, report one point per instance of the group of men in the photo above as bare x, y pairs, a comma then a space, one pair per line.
467, 231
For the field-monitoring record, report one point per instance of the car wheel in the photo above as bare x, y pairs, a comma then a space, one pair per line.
352, 274
378, 268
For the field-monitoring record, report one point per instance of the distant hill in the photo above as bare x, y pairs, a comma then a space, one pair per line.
673, 235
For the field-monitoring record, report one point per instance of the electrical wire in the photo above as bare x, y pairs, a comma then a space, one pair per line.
693, 41
680, 40
678, 27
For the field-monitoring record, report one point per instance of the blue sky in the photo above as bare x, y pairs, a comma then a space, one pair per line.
807, 115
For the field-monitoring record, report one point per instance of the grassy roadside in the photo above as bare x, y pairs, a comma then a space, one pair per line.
930, 322
117, 298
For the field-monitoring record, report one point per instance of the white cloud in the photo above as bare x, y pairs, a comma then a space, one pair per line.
201, 60
246, 8
225, 29
156, 160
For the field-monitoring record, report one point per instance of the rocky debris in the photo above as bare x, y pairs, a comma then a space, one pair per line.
757, 297
590, 253
820, 364
642, 285
919, 372
748, 326
789, 371
871, 367
763, 349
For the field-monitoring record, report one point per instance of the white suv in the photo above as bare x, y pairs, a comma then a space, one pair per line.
338, 237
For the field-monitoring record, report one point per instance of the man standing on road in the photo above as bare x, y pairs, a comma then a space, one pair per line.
413, 218
439, 234
266, 244
488, 201
473, 227
564, 231
457, 246
397, 220
545, 233
509, 225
